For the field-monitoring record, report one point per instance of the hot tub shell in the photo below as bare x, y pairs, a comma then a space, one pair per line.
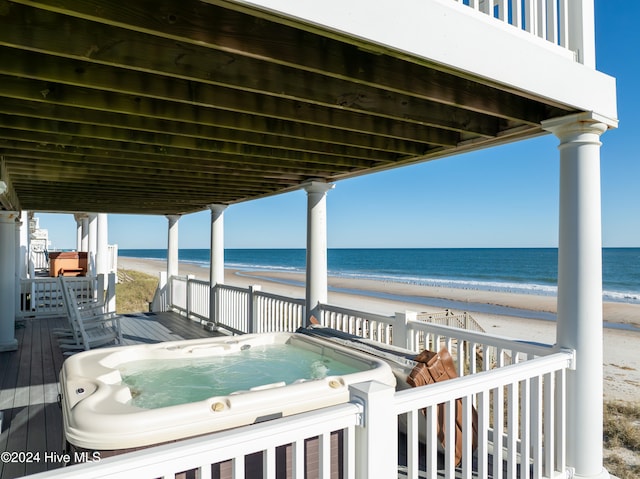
98, 414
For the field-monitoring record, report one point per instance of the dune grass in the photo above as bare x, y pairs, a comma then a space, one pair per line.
622, 439
621, 425
134, 291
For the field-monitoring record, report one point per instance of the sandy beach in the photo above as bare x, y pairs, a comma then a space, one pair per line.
503, 314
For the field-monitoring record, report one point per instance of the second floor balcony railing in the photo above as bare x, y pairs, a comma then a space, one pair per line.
566, 23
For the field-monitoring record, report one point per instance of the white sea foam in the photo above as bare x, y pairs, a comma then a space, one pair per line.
262, 267
528, 288
621, 296
497, 286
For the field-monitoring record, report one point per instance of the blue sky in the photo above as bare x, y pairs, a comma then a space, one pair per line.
499, 197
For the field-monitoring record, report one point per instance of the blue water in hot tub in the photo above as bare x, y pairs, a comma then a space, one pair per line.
156, 384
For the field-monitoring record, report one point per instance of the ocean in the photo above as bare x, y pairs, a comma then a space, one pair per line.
518, 270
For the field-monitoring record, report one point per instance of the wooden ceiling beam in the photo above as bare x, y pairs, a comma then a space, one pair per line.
41, 170
295, 136
168, 139
309, 115
43, 159
219, 27
226, 95
160, 206
98, 189
224, 152
75, 155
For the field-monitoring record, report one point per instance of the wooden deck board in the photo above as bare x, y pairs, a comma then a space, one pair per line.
142, 328
17, 417
9, 367
29, 382
36, 424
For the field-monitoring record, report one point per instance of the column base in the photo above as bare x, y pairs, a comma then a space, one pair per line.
11, 345
603, 474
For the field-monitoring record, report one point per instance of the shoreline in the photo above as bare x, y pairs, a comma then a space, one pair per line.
514, 315
617, 315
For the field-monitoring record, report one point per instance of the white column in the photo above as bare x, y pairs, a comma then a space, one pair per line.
216, 262
79, 231
8, 340
579, 324
22, 264
31, 266
172, 246
92, 250
216, 271
102, 256
22, 254
316, 280
84, 244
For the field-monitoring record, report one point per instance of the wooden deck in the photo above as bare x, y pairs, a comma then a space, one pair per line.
32, 418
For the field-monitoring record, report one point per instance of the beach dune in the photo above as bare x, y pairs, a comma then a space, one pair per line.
521, 316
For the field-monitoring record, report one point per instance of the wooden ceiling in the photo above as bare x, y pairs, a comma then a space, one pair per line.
165, 107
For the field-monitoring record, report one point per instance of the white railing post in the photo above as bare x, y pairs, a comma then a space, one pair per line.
112, 265
214, 291
110, 300
377, 436
92, 244
214, 307
98, 293
400, 337
254, 318
581, 38
187, 289
102, 243
160, 300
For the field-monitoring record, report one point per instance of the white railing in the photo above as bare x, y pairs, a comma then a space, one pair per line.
232, 308
237, 310
521, 417
198, 292
474, 351
515, 389
112, 255
249, 310
449, 318
177, 286
42, 297
161, 299
253, 311
39, 260
229, 451
274, 313
188, 296
520, 434
547, 19
366, 325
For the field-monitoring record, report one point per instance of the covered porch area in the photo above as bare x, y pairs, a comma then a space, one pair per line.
160, 109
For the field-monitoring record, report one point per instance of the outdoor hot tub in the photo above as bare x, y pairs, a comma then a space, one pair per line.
136, 396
